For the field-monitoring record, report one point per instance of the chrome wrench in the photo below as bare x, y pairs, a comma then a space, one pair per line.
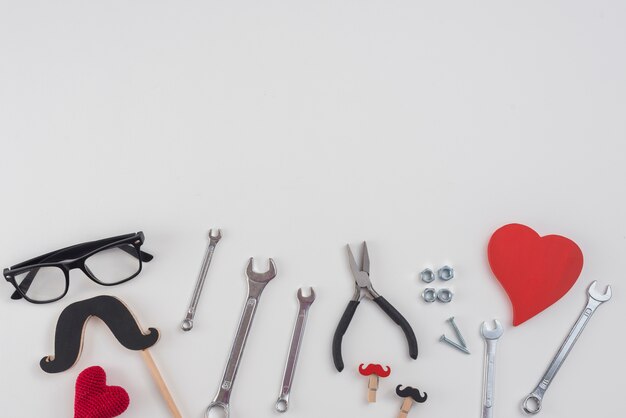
256, 284
282, 404
187, 323
491, 337
532, 403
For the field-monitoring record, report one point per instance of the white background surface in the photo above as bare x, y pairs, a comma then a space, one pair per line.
298, 127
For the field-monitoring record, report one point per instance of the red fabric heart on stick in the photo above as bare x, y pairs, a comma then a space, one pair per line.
535, 271
94, 399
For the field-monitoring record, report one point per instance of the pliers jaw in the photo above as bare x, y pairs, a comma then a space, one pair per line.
362, 283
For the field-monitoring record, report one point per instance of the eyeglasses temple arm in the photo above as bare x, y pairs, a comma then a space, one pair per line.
25, 285
145, 257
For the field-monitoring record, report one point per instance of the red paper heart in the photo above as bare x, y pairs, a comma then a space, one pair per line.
535, 271
94, 399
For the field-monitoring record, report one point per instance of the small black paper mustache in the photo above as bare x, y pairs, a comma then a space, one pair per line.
412, 392
71, 326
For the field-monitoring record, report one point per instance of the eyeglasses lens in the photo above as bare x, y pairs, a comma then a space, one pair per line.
115, 264
42, 284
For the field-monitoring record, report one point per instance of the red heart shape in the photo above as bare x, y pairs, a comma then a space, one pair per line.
535, 271
94, 399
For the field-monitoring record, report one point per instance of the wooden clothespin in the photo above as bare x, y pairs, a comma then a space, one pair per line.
410, 395
374, 371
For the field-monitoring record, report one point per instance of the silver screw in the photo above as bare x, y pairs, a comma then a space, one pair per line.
453, 344
456, 330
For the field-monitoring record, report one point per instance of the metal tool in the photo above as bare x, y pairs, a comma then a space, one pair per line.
594, 299
282, 404
491, 337
363, 288
256, 284
187, 323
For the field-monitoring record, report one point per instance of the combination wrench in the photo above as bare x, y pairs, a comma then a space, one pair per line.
282, 404
256, 284
187, 323
491, 337
532, 403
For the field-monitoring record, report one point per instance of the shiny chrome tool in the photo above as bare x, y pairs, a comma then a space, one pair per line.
491, 337
282, 404
256, 284
187, 323
532, 403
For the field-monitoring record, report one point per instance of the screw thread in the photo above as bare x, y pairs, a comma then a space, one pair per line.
457, 331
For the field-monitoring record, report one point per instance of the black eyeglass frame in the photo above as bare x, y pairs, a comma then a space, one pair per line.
74, 257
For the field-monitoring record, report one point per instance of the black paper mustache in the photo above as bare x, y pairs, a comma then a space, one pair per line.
412, 392
71, 325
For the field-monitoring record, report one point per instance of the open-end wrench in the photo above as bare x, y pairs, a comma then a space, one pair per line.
491, 337
532, 403
282, 404
256, 284
187, 323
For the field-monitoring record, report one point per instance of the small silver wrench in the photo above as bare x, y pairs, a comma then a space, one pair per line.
282, 404
187, 323
491, 337
256, 284
532, 403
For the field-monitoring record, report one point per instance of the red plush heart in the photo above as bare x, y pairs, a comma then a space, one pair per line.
535, 271
94, 399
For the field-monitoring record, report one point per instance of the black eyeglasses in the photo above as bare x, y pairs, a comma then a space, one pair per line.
108, 262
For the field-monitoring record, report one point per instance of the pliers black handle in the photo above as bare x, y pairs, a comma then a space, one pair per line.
389, 310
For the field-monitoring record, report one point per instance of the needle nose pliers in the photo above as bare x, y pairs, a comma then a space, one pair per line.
363, 288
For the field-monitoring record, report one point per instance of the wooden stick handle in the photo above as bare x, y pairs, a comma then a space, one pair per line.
372, 387
406, 407
156, 375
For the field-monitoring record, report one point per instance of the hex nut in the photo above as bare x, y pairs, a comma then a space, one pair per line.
445, 273
445, 295
429, 295
427, 275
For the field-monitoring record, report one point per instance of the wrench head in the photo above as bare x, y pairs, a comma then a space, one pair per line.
306, 299
260, 277
225, 407
216, 237
492, 334
595, 294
